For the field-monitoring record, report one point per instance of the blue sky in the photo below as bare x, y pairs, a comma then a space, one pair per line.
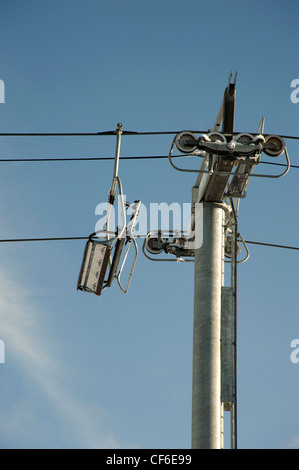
115, 371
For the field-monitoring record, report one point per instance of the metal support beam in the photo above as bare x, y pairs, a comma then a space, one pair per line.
206, 386
227, 347
217, 183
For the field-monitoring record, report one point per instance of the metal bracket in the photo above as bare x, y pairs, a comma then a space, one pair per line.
167, 246
230, 151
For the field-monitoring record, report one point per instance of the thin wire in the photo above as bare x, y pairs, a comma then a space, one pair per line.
110, 133
144, 157
88, 134
81, 158
279, 164
8, 240
273, 245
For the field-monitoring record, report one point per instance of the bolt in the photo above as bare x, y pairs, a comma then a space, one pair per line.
231, 145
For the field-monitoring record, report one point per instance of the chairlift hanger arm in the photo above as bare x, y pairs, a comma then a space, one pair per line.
112, 191
98, 253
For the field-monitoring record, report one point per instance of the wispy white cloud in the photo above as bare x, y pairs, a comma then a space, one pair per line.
26, 339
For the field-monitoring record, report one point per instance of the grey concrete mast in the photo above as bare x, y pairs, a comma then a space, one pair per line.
208, 282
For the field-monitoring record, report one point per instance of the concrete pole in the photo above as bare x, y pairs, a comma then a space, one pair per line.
206, 386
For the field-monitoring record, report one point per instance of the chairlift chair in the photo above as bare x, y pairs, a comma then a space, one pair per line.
102, 256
